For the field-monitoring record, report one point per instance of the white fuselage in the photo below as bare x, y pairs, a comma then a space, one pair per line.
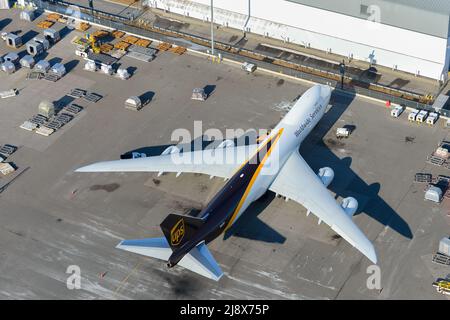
292, 130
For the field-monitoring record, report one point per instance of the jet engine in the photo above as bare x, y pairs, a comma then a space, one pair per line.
326, 175
350, 205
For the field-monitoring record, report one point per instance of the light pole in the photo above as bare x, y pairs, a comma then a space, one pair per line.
212, 27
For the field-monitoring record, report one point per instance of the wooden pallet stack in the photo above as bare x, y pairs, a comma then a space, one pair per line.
45, 24
117, 34
106, 47
143, 43
83, 26
100, 34
164, 46
54, 17
122, 45
131, 39
178, 50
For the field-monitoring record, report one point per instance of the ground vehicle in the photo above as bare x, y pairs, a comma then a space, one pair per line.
413, 115
133, 103
422, 116
342, 133
432, 118
199, 94
397, 111
249, 67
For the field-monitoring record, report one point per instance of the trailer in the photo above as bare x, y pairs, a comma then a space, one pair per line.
397, 111
9, 93
413, 115
432, 118
422, 116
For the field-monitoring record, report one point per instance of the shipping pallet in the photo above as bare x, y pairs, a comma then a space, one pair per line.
122, 45
38, 120
440, 258
52, 77
7, 150
45, 24
131, 39
92, 97
77, 93
64, 118
178, 50
55, 125
117, 34
164, 46
34, 75
423, 178
437, 161
73, 108
143, 43
83, 26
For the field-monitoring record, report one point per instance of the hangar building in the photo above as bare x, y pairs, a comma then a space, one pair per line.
406, 35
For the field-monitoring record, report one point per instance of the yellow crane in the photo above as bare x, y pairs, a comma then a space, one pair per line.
93, 42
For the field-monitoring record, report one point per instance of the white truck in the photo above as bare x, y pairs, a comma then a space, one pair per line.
342, 133
432, 118
422, 116
397, 111
413, 115
249, 67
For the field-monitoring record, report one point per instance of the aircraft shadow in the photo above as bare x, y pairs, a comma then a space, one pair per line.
249, 226
346, 182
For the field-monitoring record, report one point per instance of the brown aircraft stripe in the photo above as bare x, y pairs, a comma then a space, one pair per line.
255, 175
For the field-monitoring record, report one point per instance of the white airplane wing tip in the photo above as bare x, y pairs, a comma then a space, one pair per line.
372, 256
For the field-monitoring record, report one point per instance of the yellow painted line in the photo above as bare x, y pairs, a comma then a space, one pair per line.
255, 175
123, 282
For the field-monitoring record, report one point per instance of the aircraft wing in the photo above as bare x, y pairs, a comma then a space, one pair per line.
297, 181
218, 162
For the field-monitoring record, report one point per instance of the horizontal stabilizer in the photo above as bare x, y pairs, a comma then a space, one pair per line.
198, 260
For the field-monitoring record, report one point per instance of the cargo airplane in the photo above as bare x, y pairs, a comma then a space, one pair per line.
273, 163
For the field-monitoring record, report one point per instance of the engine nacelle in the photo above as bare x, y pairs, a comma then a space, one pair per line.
170, 150
350, 205
225, 144
326, 175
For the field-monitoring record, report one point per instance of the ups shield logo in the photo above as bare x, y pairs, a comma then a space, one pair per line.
177, 233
